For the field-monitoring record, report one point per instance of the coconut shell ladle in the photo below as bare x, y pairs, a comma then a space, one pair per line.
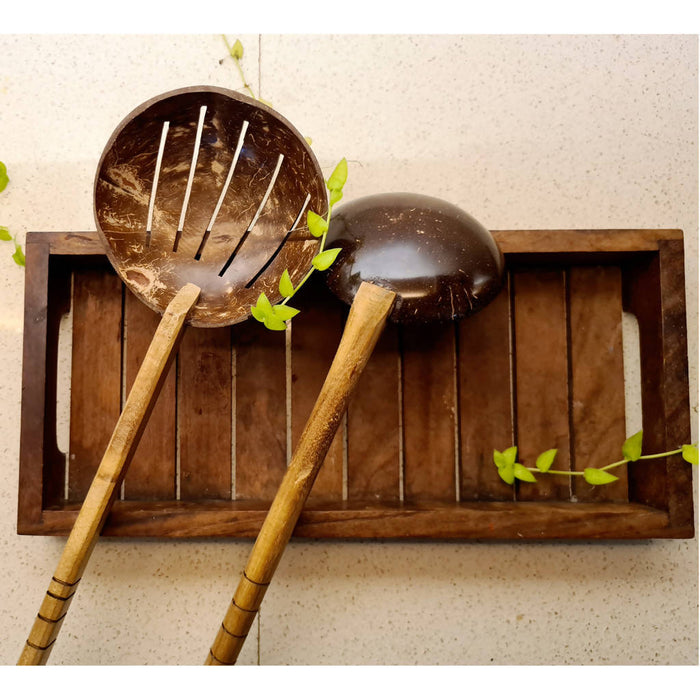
409, 257
200, 199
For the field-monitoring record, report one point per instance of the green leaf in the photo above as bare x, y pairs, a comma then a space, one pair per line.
257, 314
325, 259
284, 312
336, 196
498, 459
632, 447
18, 256
597, 477
506, 473
273, 317
522, 473
317, 224
510, 455
273, 323
237, 49
505, 461
690, 453
264, 304
545, 460
339, 176
286, 286
3, 176
5, 234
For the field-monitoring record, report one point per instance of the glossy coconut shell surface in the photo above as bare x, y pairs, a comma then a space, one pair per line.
441, 262
261, 217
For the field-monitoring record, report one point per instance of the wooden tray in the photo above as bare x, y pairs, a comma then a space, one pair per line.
541, 367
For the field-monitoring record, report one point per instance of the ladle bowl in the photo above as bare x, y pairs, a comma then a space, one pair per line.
438, 259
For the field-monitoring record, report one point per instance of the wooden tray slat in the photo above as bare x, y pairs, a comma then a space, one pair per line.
151, 474
597, 378
96, 378
374, 437
261, 410
429, 406
315, 338
541, 377
485, 400
204, 413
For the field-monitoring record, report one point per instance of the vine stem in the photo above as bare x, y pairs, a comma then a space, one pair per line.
554, 471
610, 466
240, 68
563, 473
320, 250
330, 206
656, 456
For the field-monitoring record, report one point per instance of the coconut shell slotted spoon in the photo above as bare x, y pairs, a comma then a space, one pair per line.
409, 257
200, 199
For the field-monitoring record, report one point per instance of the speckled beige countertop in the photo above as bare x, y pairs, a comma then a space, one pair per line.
522, 132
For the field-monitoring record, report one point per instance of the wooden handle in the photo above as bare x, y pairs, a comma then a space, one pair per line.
365, 323
108, 478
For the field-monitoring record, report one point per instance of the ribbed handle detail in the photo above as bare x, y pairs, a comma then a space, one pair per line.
365, 323
110, 473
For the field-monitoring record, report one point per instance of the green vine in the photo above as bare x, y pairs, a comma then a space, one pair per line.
236, 53
509, 469
5, 235
275, 317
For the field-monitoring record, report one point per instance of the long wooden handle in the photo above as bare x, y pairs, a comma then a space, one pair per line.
365, 323
108, 478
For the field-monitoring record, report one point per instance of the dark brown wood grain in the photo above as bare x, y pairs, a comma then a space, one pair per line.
74, 243
426, 520
597, 378
541, 378
32, 452
96, 372
485, 399
679, 477
204, 413
655, 293
261, 410
429, 406
650, 264
151, 473
316, 333
373, 425
643, 299
561, 241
